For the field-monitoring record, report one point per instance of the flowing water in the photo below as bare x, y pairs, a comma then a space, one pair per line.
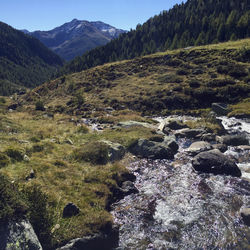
176, 208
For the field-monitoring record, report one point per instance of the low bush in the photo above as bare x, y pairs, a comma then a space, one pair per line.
182, 72
39, 215
83, 129
37, 148
93, 152
40, 106
12, 204
194, 84
220, 82
4, 160
15, 154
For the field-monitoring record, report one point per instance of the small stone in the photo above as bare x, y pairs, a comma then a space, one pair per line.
26, 158
70, 210
245, 214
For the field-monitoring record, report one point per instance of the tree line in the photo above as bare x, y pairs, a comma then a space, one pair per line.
196, 22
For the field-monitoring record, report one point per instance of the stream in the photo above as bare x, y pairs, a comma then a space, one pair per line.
177, 208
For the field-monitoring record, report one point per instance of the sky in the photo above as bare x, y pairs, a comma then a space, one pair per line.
48, 14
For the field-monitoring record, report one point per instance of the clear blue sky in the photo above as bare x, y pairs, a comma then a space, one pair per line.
47, 14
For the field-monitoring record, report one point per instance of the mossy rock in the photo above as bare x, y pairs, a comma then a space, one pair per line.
4, 160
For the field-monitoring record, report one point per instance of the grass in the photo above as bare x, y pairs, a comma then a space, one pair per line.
241, 109
154, 84
61, 177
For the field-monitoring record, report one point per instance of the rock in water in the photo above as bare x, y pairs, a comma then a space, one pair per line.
245, 214
101, 241
220, 108
213, 161
198, 147
154, 150
233, 140
18, 235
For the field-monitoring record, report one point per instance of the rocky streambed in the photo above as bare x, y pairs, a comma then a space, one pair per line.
182, 206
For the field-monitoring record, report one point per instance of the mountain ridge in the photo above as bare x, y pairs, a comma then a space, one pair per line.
195, 22
24, 60
76, 37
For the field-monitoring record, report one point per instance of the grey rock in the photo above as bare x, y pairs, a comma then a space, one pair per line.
15, 235
128, 188
190, 133
102, 241
208, 137
70, 210
115, 151
213, 161
233, 140
171, 123
198, 147
245, 214
129, 124
221, 147
220, 108
31, 175
154, 150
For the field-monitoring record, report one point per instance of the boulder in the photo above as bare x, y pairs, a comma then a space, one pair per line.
213, 161
220, 108
129, 124
198, 147
18, 235
245, 214
221, 147
155, 150
233, 140
171, 123
190, 133
208, 137
104, 241
115, 151
70, 210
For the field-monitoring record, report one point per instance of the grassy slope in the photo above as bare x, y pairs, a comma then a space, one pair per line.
60, 176
182, 79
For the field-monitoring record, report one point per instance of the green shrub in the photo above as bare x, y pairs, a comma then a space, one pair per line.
93, 152
15, 154
83, 129
220, 82
40, 106
194, 84
2, 100
182, 72
39, 215
37, 148
4, 160
12, 205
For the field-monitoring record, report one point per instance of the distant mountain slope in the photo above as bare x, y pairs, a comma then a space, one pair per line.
196, 22
76, 37
24, 61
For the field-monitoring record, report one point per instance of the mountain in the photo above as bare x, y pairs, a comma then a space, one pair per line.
76, 37
197, 22
24, 60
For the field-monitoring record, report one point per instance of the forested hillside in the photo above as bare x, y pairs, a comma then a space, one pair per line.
197, 22
24, 61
